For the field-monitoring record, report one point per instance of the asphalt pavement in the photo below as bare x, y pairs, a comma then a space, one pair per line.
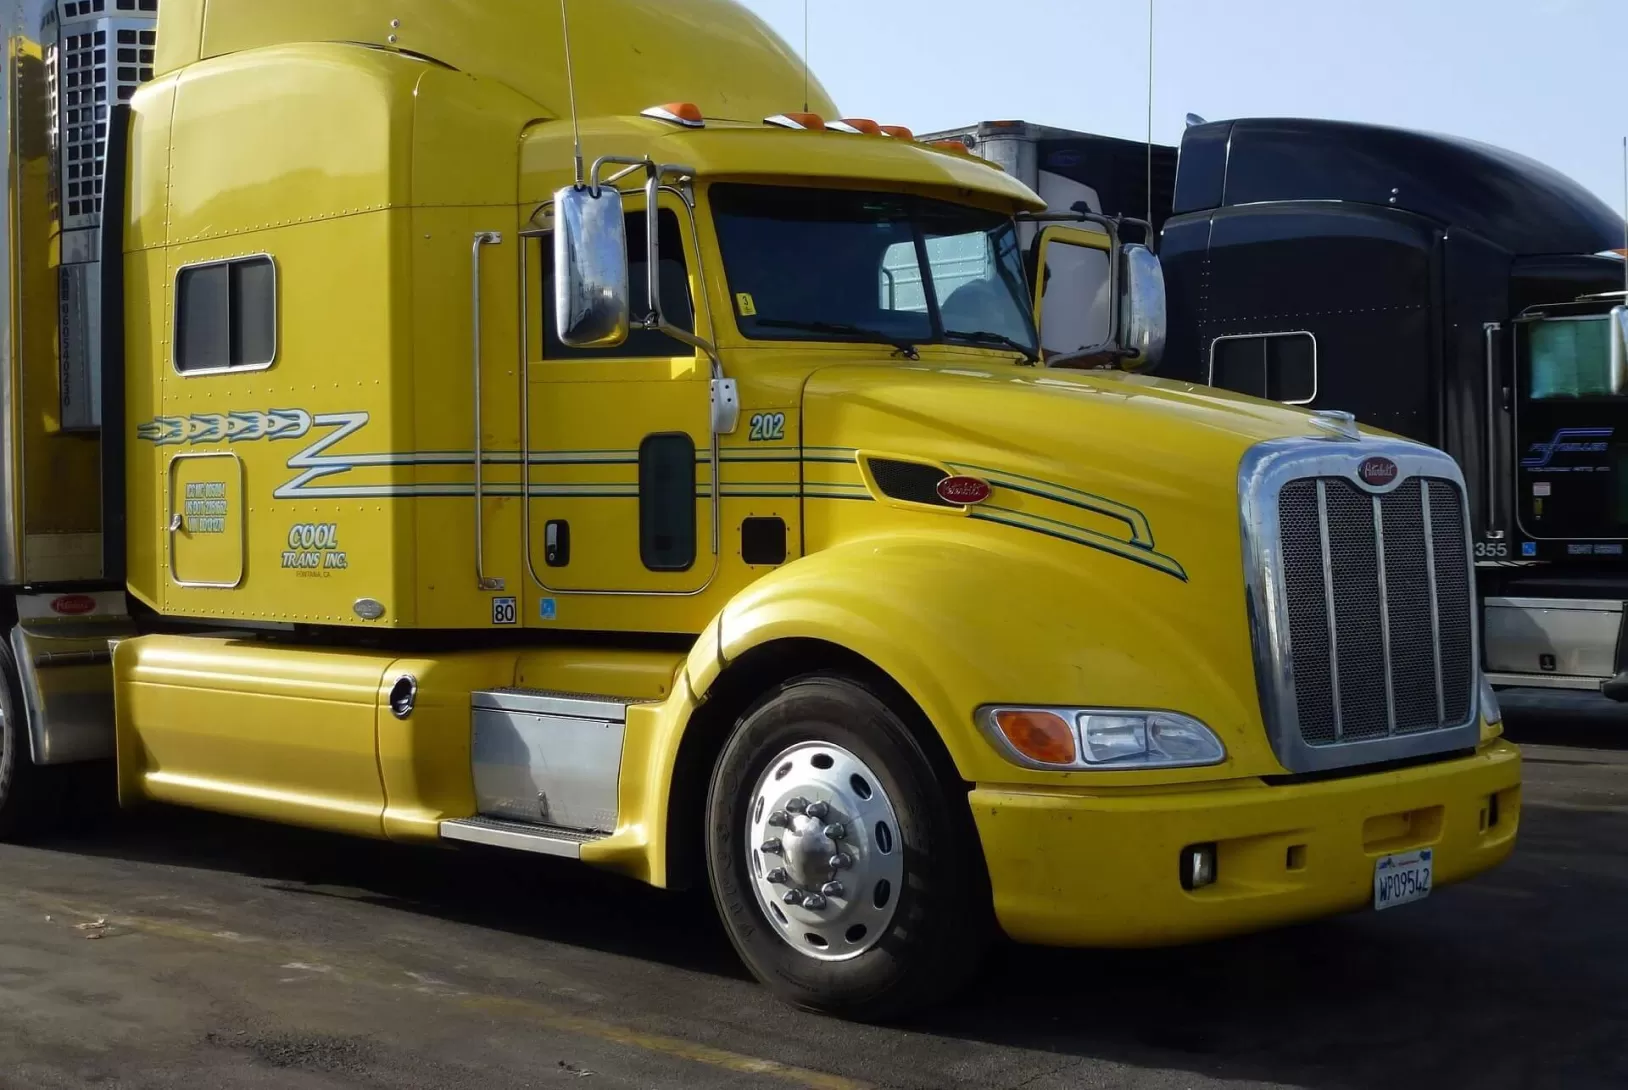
176, 949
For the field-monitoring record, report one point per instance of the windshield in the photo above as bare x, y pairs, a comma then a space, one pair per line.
820, 264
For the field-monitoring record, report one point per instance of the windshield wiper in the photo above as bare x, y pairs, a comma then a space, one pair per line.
985, 336
843, 329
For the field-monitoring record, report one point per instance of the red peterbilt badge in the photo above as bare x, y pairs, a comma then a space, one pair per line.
73, 605
1377, 472
963, 490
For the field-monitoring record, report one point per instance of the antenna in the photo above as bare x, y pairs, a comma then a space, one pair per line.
571, 85
805, 56
1150, 118
1625, 218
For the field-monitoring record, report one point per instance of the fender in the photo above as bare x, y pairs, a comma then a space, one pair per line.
960, 619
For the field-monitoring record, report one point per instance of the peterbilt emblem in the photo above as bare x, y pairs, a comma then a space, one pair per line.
1377, 472
963, 490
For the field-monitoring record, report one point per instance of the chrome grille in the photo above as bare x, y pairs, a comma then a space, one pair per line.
1380, 624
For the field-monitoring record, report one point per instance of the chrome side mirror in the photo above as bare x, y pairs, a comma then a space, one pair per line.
1619, 349
590, 268
1142, 321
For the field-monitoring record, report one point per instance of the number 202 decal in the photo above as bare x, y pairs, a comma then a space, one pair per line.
768, 426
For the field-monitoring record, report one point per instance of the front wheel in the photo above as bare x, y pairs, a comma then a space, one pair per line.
849, 877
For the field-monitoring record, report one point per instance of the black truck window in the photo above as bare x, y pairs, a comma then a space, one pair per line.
1275, 366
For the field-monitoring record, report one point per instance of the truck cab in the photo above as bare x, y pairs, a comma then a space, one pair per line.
675, 484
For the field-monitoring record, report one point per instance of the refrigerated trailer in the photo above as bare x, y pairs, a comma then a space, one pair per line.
1438, 288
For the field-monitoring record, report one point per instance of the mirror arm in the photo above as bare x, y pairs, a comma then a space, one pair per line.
725, 395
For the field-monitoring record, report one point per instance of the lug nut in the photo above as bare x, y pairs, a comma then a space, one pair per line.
818, 810
814, 902
779, 819
841, 861
796, 805
793, 897
832, 889
772, 847
836, 830
777, 876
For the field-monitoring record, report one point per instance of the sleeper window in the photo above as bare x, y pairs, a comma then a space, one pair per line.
1275, 366
226, 315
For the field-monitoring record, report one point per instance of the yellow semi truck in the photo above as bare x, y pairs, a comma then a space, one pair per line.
682, 491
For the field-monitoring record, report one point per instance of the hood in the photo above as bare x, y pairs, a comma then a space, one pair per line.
1104, 432
1109, 545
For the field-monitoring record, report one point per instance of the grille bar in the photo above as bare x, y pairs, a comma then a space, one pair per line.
1384, 617
1435, 598
1333, 621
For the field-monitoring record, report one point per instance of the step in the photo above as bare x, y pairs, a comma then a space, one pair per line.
519, 836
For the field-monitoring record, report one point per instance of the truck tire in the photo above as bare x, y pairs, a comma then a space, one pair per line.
848, 875
28, 805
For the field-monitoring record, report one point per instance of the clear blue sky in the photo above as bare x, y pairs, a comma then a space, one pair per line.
1547, 78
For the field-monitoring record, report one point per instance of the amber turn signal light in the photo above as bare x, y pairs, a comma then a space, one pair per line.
1040, 736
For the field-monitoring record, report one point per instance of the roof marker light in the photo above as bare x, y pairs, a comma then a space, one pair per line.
812, 122
687, 114
860, 126
898, 132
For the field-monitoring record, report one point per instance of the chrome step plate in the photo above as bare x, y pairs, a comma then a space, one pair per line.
519, 836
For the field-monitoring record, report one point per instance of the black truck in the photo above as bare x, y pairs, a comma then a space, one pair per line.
1444, 289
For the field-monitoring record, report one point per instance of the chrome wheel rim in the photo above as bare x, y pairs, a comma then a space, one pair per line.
824, 852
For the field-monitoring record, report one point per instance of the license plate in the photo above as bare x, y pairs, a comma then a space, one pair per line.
1403, 878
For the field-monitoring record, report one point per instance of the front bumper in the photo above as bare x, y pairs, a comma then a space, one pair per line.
1070, 868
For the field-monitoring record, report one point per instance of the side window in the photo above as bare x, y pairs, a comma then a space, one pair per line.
1076, 305
226, 315
1275, 366
675, 296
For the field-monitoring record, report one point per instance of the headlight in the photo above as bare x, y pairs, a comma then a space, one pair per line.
1490, 711
1100, 738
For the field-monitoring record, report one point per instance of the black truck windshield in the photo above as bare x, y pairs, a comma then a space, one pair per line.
889, 268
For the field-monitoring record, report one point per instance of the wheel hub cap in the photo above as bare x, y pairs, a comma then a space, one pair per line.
824, 852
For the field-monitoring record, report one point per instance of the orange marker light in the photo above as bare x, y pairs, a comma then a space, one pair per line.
955, 147
1039, 736
812, 122
862, 126
898, 132
687, 114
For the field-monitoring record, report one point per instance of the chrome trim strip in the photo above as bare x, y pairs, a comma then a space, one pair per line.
1328, 604
1263, 471
1435, 602
546, 702
1549, 681
1384, 614
482, 238
1590, 605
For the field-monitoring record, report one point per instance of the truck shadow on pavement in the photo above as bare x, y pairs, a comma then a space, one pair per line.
1515, 979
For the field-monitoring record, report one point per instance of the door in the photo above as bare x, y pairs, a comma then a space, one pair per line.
619, 474
1074, 292
206, 518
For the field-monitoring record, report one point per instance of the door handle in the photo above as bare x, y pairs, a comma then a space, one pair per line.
482, 238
